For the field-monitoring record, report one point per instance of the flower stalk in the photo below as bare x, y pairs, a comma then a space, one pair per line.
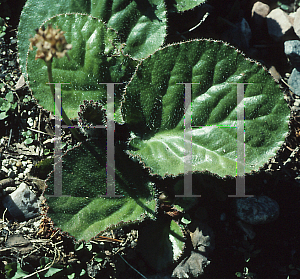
52, 43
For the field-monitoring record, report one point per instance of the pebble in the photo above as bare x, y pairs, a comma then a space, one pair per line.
260, 9
4, 169
292, 51
22, 203
257, 210
278, 24
259, 12
294, 81
297, 22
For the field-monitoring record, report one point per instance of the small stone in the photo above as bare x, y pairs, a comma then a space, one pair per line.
294, 81
292, 51
259, 12
30, 166
26, 171
19, 164
278, 24
37, 224
297, 22
22, 203
4, 169
21, 175
260, 9
30, 121
257, 210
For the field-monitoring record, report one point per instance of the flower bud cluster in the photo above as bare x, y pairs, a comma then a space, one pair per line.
50, 43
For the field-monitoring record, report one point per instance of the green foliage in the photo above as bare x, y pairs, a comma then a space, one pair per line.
94, 58
3, 26
141, 24
7, 105
154, 106
85, 214
29, 137
119, 41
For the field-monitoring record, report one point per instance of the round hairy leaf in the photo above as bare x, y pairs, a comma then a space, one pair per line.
141, 24
155, 102
94, 59
85, 214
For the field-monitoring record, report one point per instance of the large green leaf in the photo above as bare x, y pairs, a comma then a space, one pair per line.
85, 214
94, 59
141, 24
154, 106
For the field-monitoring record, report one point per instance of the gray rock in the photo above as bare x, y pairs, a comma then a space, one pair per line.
297, 22
292, 51
278, 24
22, 204
294, 81
257, 210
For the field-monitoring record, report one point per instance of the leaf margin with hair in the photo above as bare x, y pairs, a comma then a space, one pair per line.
86, 215
94, 58
156, 110
115, 13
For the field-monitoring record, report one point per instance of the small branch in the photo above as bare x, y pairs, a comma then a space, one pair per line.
132, 267
37, 131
